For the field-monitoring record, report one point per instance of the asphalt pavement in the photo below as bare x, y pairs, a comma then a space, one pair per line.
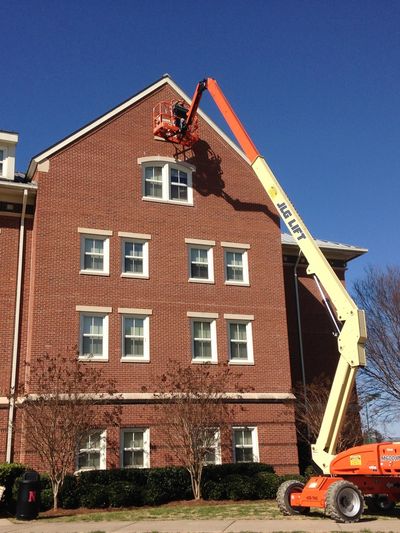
323, 525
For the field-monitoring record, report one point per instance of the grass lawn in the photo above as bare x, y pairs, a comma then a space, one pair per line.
188, 510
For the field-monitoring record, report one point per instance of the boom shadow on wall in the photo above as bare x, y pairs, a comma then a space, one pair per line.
208, 180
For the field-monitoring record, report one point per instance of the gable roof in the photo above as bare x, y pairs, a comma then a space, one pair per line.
165, 80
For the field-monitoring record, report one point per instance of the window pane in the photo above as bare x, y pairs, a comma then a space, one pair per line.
138, 458
153, 189
202, 349
153, 173
128, 439
138, 439
238, 331
134, 348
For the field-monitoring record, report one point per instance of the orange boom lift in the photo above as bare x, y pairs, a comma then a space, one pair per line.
372, 470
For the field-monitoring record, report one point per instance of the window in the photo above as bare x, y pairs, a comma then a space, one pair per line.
167, 180
213, 453
135, 342
94, 336
201, 261
204, 340
92, 451
135, 451
153, 182
240, 342
95, 251
245, 445
236, 264
135, 255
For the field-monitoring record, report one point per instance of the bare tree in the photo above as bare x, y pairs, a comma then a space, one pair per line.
310, 408
64, 410
379, 294
193, 412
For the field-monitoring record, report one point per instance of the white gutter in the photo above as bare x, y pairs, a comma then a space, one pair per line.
17, 320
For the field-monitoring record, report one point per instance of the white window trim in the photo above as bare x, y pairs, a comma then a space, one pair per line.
249, 339
210, 262
245, 261
145, 273
106, 252
146, 338
213, 331
3, 172
146, 446
103, 452
104, 357
254, 441
166, 163
218, 454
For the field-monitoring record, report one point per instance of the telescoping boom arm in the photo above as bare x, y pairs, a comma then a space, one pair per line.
353, 334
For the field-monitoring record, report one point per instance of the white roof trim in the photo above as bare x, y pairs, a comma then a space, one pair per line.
104, 118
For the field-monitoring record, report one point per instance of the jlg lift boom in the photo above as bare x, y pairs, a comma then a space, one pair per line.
372, 470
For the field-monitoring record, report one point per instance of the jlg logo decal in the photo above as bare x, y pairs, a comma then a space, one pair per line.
292, 223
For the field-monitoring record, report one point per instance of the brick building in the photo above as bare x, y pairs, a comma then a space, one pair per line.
119, 244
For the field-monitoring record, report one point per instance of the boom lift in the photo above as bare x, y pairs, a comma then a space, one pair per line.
370, 470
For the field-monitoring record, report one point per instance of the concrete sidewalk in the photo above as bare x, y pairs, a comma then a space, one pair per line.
200, 526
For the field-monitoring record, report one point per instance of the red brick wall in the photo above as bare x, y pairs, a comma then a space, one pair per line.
319, 342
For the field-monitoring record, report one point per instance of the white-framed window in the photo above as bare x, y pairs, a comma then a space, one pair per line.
135, 448
135, 338
245, 445
93, 336
201, 263
167, 180
240, 339
236, 263
3, 157
92, 451
204, 340
213, 452
95, 252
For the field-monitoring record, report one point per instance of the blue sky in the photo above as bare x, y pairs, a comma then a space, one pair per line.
315, 82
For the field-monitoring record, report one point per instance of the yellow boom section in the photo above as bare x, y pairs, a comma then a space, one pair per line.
353, 334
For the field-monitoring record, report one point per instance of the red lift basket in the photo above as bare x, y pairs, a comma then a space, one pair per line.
169, 123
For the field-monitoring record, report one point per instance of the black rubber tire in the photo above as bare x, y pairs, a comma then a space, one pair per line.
283, 498
379, 504
344, 502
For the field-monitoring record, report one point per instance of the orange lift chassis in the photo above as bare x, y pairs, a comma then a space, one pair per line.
371, 471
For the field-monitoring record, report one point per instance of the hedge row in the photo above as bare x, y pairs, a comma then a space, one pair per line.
152, 486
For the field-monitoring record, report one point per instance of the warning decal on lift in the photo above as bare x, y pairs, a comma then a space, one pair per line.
355, 460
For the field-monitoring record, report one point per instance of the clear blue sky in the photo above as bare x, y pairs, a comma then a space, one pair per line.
315, 82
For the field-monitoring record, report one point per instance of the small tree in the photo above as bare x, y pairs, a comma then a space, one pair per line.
193, 407
310, 408
379, 294
63, 410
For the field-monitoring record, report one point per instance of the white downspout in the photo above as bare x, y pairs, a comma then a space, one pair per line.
17, 320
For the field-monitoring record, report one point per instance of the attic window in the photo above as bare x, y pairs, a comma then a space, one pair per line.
167, 180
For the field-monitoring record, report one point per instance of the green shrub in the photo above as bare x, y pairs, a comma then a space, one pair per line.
95, 496
167, 484
239, 487
121, 494
212, 490
9, 472
68, 494
46, 499
267, 485
220, 472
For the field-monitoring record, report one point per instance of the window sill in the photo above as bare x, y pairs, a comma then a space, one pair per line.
162, 201
238, 283
204, 361
134, 360
86, 359
94, 273
207, 281
135, 276
241, 363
